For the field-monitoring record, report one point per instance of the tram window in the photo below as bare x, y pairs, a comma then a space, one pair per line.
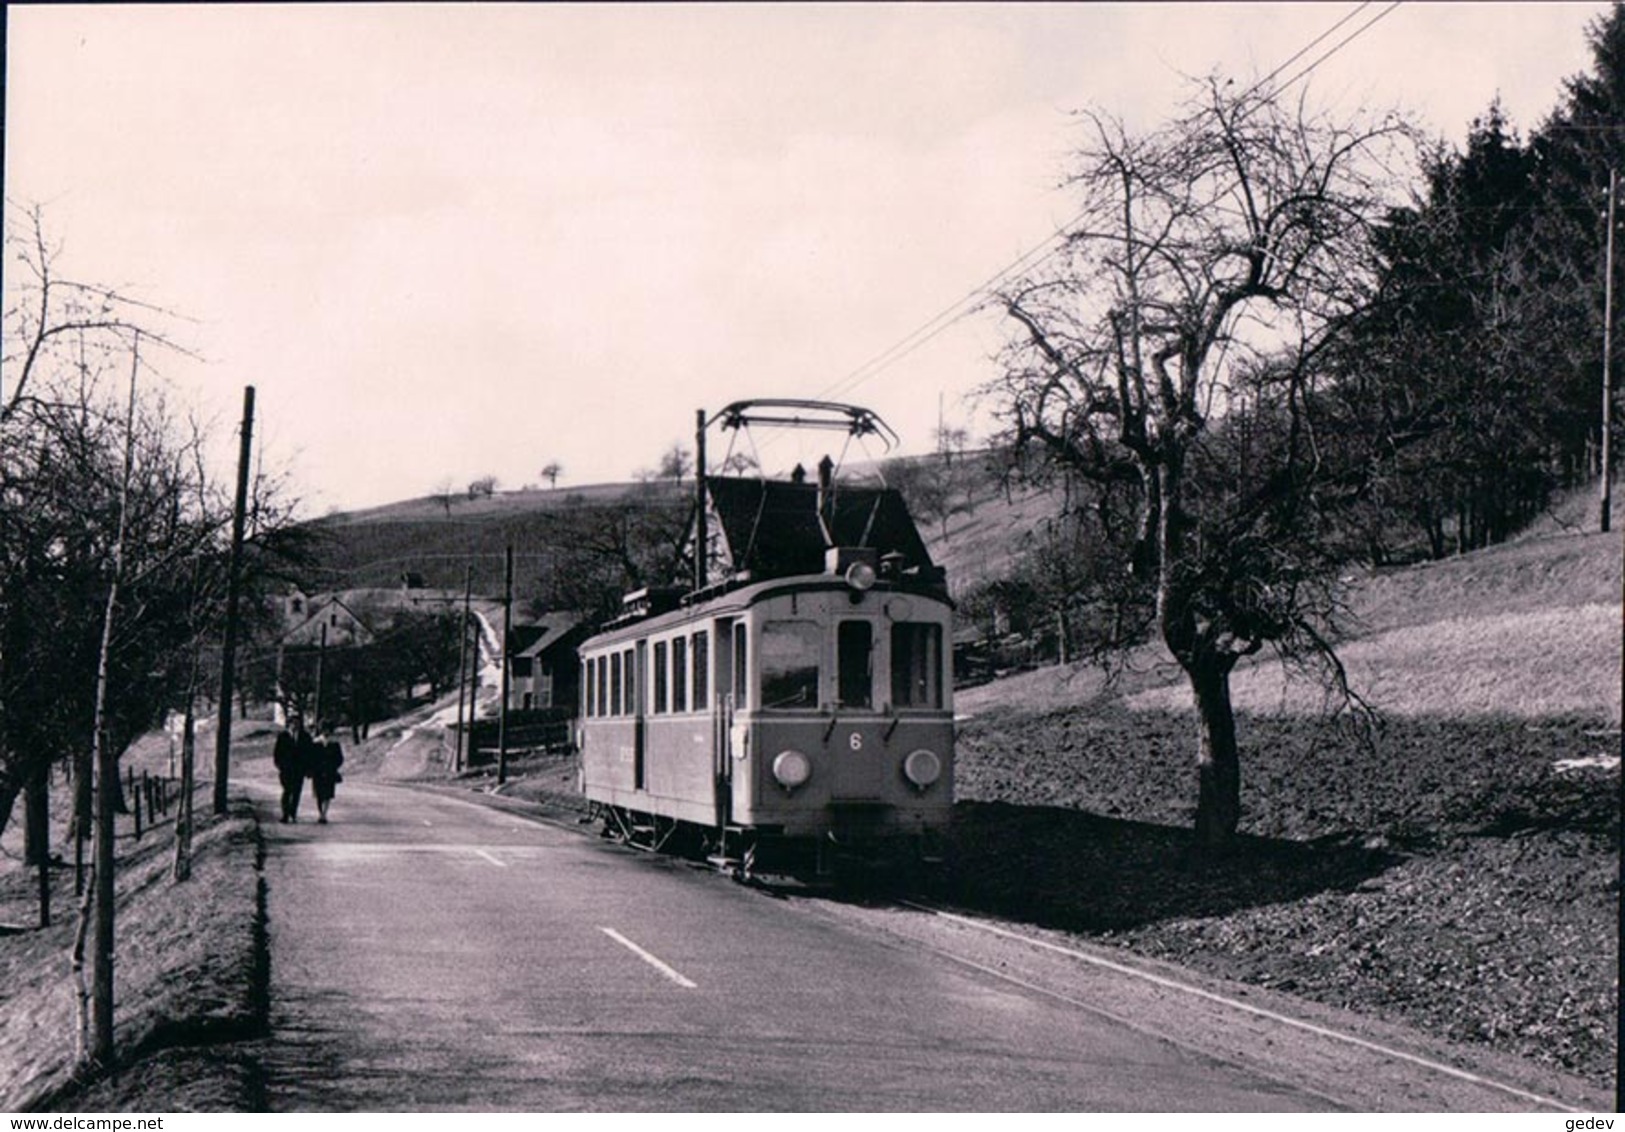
854, 651
586, 688
661, 676
629, 692
702, 670
615, 684
603, 685
679, 674
741, 680
916, 665
790, 663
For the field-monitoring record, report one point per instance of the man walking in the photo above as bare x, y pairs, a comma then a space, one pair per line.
292, 755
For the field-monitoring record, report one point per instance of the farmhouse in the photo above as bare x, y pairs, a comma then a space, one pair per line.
542, 664
323, 619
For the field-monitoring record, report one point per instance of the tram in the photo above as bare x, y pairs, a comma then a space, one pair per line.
793, 706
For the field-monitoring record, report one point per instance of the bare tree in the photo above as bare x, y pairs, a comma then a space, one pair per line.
675, 463
741, 463
606, 550
1212, 263
51, 319
444, 494
110, 531
551, 471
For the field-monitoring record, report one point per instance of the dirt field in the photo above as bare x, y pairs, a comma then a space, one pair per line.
1462, 878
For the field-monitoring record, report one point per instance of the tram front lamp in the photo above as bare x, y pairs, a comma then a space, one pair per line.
792, 769
922, 768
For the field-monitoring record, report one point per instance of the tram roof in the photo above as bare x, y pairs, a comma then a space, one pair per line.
773, 530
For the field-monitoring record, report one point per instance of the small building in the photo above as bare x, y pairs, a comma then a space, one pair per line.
324, 619
317, 623
543, 668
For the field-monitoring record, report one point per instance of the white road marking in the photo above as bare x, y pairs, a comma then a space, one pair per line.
426, 821
1173, 984
493, 860
649, 959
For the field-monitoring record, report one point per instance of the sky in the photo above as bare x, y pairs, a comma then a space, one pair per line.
447, 242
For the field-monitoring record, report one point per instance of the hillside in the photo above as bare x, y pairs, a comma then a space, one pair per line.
977, 528
1528, 629
496, 507
436, 540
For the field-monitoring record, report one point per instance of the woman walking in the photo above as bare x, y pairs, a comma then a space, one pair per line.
324, 773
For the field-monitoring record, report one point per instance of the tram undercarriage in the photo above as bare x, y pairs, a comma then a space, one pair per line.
857, 852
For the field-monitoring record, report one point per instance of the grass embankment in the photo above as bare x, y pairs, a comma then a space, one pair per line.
189, 969
1456, 870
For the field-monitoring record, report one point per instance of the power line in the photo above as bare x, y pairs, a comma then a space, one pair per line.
969, 302
1308, 47
1350, 38
942, 320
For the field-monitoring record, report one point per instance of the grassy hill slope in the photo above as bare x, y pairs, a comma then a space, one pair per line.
1528, 629
436, 540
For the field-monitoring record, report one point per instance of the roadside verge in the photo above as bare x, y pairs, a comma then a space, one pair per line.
191, 974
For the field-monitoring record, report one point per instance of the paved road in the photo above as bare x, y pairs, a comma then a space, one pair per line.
430, 953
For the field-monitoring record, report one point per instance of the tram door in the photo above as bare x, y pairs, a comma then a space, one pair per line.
635, 684
726, 701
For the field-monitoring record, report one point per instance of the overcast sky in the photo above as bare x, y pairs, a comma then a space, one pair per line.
443, 242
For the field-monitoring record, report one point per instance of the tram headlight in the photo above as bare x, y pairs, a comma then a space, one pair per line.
792, 769
922, 768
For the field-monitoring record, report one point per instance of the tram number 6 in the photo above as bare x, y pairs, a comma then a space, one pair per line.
855, 741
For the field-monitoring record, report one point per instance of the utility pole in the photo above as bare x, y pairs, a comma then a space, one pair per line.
321, 664
473, 693
1607, 503
701, 535
507, 646
228, 648
462, 669
38, 817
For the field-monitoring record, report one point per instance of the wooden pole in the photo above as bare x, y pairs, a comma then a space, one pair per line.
462, 669
507, 649
701, 535
473, 693
183, 813
228, 647
321, 664
37, 819
1607, 501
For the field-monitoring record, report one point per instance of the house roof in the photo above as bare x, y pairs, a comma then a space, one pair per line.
545, 633
772, 527
317, 611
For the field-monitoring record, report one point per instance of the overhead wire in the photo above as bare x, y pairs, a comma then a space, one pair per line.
1355, 34
973, 299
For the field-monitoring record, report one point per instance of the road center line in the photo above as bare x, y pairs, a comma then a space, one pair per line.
649, 959
493, 860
